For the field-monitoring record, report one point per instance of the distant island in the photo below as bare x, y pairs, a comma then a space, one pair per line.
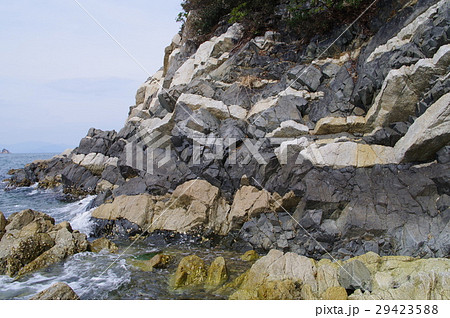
5, 151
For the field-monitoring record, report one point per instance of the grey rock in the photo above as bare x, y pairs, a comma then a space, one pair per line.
355, 275
443, 155
309, 76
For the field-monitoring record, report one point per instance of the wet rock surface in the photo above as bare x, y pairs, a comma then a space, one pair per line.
33, 241
58, 291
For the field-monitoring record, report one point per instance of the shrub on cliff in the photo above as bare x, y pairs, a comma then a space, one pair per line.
319, 16
304, 17
252, 13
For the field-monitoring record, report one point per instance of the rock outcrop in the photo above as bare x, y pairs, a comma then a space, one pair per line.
58, 291
32, 241
193, 207
369, 276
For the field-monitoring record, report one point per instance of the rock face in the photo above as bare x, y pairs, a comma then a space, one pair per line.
5, 151
33, 241
58, 291
290, 276
356, 132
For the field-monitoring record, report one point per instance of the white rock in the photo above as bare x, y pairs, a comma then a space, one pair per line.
344, 154
289, 129
77, 159
215, 107
290, 148
163, 125
209, 55
262, 105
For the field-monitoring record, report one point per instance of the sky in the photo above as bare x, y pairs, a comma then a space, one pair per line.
61, 74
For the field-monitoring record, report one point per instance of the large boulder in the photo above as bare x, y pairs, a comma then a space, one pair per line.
136, 209
427, 135
217, 273
249, 202
190, 272
194, 205
278, 276
32, 242
355, 275
334, 125
58, 291
215, 107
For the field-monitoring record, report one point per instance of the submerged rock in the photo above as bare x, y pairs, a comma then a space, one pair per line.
250, 256
103, 244
157, 261
58, 291
278, 276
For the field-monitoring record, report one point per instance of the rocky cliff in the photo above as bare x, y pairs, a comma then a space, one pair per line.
335, 146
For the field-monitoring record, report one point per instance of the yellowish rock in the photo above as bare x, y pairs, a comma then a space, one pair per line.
250, 256
190, 272
217, 273
157, 261
103, 244
335, 293
334, 125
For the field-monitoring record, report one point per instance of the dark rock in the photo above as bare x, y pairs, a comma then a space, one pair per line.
443, 155
309, 76
133, 186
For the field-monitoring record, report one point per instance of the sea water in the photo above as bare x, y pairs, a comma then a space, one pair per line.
96, 275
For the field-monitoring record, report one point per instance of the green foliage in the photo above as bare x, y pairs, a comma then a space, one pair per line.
210, 12
239, 13
306, 16
317, 16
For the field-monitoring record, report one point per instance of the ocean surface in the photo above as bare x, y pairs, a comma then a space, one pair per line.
96, 275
